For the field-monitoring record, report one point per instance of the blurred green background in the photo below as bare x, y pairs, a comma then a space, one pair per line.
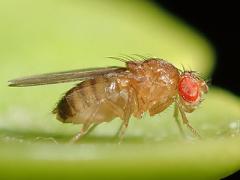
56, 35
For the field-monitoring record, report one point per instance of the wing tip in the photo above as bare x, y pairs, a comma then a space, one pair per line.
11, 83
14, 83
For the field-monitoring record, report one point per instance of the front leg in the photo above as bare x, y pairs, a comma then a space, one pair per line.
176, 116
186, 122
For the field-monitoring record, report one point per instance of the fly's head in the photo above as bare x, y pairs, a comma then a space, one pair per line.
191, 89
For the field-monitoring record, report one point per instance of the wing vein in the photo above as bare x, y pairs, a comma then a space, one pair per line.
64, 76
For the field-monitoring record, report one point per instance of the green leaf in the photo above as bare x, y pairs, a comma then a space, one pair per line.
44, 36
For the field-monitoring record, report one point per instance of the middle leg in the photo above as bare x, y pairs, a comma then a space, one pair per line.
124, 115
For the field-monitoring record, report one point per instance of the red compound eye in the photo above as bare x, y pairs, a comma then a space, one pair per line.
188, 89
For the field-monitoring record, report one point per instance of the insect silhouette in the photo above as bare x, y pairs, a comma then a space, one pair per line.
143, 85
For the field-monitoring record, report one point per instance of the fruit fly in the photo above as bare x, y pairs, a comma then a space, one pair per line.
143, 85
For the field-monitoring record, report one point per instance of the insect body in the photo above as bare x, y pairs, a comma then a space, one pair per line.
150, 85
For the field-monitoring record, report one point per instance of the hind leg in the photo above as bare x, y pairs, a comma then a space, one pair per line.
83, 132
86, 129
88, 126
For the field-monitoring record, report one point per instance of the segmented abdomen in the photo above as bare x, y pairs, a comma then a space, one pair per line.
91, 101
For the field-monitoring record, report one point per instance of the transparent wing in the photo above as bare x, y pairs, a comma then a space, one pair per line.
62, 77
